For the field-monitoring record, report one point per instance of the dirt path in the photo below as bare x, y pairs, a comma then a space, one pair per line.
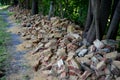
18, 68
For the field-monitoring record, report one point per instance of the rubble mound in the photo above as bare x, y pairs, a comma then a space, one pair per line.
57, 49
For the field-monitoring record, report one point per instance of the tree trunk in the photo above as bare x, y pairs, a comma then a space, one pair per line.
114, 23
51, 10
92, 25
34, 7
27, 6
96, 4
15, 2
61, 9
88, 20
91, 33
113, 10
104, 15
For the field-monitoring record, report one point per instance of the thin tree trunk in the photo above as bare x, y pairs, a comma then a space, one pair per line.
114, 23
91, 33
15, 2
51, 11
115, 3
34, 7
61, 9
27, 4
88, 20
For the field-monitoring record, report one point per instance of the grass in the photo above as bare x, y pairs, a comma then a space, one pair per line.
4, 38
4, 7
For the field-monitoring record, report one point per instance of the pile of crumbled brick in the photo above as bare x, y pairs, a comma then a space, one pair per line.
62, 54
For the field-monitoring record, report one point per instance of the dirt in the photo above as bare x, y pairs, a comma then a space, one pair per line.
18, 68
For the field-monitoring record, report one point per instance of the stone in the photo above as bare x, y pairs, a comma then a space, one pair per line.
29, 45
89, 55
82, 52
85, 75
28, 37
99, 57
117, 64
40, 36
60, 63
63, 75
36, 67
79, 49
74, 71
98, 44
86, 67
95, 60
74, 63
85, 42
50, 43
99, 73
107, 50
70, 29
65, 41
70, 55
107, 71
108, 77
83, 59
101, 65
73, 78
92, 48
112, 55
71, 47
47, 51
47, 72
57, 35
114, 70
118, 78
56, 22
76, 36
48, 57
37, 48
61, 52
110, 42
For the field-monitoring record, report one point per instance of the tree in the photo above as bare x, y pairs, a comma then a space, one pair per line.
34, 7
97, 19
114, 23
51, 11
15, 2
27, 2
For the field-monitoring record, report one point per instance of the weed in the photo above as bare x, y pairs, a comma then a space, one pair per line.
4, 38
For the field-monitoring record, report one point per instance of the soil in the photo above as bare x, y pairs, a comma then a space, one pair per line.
17, 68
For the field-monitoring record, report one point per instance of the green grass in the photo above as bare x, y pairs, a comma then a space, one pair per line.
4, 38
2, 7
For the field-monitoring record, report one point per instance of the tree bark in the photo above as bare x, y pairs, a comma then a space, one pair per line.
104, 15
114, 23
27, 6
88, 20
96, 4
92, 25
51, 10
15, 2
91, 33
34, 7
61, 9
